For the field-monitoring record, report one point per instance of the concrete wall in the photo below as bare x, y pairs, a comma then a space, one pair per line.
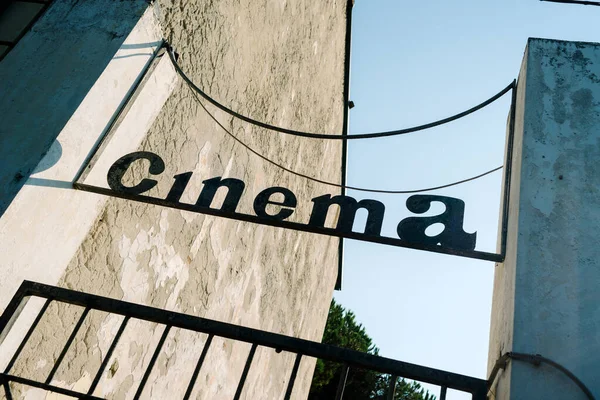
277, 61
545, 293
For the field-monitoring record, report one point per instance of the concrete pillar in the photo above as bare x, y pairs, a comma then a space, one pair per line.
546, 297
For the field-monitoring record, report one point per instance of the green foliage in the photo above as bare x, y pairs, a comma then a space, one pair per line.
343, 330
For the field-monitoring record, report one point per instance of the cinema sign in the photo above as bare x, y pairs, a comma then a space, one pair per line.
411, 231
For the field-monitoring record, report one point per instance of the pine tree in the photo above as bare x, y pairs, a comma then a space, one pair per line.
343, 330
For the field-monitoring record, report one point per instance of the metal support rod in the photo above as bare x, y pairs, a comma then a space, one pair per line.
120, 114
508, 170
190, 387
159, 346
443, 393
63, 353
290, 387
111, 349
392, 390
26, 338
345, 124
238, 392
339, 394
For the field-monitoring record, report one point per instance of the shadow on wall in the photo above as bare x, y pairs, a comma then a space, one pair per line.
46, 77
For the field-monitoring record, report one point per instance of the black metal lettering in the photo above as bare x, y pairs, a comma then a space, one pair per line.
348, 207
453, 236
234, 193
178, 187
264, 198
119, 168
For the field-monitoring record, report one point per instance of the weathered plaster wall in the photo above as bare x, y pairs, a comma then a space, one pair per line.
277, 61
553, 253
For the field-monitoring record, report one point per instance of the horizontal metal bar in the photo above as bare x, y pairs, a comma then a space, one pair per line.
50, 388
579, 2
479, 255
262, 338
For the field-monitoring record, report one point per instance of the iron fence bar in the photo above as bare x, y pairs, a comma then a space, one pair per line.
339, 394
6, 389
111, 349
190, 387
50, 388
238, 392
63, 353
262, 338
290, 387
11, 312
443, 391
392, 389
26, 338
159, 346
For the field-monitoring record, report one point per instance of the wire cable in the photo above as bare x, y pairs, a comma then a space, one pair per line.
580, 2
536, 359
333, 183
237, 115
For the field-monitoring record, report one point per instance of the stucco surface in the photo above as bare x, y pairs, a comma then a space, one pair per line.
277, 61
554, 255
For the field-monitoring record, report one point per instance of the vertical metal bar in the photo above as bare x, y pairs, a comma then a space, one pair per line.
119, 114
7, 389
140, 389
392, 389
190, 387
26, 338
111, 349
508, 170
290, 387
342, 382
443, 393
240, 387
63, 353
480, 393
11, 311
345, 124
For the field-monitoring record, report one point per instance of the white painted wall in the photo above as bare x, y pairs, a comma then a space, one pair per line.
47, 220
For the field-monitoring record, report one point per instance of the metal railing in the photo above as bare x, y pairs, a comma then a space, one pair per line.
257, 338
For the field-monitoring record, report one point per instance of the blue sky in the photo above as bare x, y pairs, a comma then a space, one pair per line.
414, 62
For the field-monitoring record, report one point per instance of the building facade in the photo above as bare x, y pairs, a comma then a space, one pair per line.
63, 85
